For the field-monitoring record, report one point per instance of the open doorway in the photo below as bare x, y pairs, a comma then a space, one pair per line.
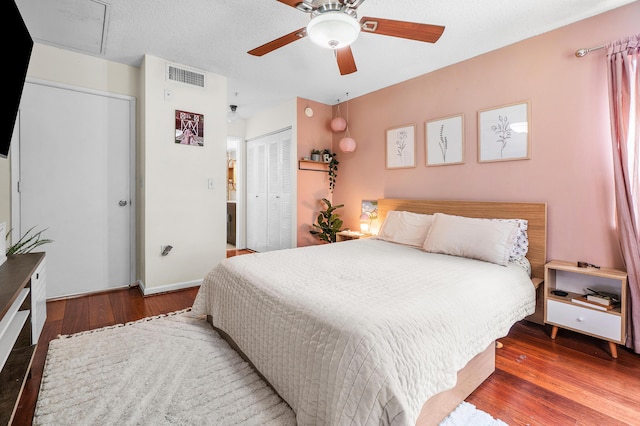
232, 192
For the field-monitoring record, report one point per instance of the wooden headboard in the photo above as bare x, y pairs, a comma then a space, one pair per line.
534, 213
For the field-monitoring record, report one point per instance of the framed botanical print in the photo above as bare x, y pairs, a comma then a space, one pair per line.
444, 140
504, 133
401, 147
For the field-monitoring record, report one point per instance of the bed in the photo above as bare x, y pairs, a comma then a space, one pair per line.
373, 331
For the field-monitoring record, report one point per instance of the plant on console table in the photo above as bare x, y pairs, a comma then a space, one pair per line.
27, 242
328, 223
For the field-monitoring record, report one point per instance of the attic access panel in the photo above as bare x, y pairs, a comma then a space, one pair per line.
79, 25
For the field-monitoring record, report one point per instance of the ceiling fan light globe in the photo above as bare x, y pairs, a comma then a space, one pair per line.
333, 30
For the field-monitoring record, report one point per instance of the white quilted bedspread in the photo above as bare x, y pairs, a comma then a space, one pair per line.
362, 332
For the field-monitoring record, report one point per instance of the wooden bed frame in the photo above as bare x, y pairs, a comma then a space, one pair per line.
478, 369
436, 408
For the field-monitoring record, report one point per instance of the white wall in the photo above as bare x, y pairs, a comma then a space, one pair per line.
178, 208
273, 119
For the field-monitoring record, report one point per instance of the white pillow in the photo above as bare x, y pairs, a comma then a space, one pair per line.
521, 244
405, 228
474, 238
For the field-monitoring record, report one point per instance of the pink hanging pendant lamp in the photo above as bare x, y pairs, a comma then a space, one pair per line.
347, 143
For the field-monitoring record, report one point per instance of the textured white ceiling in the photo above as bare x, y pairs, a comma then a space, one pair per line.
214, 35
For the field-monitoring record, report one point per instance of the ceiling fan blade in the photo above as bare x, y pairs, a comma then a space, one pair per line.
279, 42
303, 6
411, 30
292, 3
346, 63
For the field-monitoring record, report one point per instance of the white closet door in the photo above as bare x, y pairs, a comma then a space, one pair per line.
269, 192
256, 196
279, 196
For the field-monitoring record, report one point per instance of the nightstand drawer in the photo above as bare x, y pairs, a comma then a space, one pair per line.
599, 324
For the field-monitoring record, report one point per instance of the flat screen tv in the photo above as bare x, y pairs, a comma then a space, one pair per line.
18, 52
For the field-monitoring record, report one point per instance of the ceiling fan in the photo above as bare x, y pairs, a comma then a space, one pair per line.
334, 24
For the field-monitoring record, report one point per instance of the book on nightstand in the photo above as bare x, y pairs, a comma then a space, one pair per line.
602, 297
584, 301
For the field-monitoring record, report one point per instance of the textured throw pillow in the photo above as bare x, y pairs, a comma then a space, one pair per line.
521, 244
405, 228
474, 238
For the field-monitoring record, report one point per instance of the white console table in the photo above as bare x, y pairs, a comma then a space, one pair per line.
22, 315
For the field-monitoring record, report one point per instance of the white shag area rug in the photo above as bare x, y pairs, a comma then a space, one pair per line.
167, 370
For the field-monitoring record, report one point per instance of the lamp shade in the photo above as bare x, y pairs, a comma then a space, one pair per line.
347, 145
333, 30
338, 124
365, 221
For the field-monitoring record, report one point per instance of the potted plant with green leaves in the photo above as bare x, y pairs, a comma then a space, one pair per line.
328, 223
333, 167
316, 155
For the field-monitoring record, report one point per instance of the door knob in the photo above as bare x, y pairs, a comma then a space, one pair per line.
122, 203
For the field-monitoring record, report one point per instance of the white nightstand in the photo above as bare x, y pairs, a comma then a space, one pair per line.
560, 311
351, 235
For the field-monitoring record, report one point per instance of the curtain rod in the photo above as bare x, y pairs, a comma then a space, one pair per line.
583, 52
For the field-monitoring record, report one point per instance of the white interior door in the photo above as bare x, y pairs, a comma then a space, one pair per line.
76, 181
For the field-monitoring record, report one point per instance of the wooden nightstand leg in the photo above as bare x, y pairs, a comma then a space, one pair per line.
613, 348
554, 332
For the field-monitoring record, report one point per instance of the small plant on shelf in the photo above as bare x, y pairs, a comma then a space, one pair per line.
328, 223
316, 155
27, 242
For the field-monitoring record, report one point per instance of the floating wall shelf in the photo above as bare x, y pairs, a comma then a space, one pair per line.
320, 166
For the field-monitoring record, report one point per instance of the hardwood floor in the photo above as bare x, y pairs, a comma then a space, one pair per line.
570, 381
538, 381
234, 252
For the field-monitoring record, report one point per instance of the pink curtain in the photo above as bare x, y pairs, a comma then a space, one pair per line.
623, 59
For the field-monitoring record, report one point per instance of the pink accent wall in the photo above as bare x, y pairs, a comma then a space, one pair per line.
570, 167
313, 186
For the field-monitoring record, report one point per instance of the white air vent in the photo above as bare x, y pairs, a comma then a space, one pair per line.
185, 76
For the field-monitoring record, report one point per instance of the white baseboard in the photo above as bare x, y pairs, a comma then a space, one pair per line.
146, 291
